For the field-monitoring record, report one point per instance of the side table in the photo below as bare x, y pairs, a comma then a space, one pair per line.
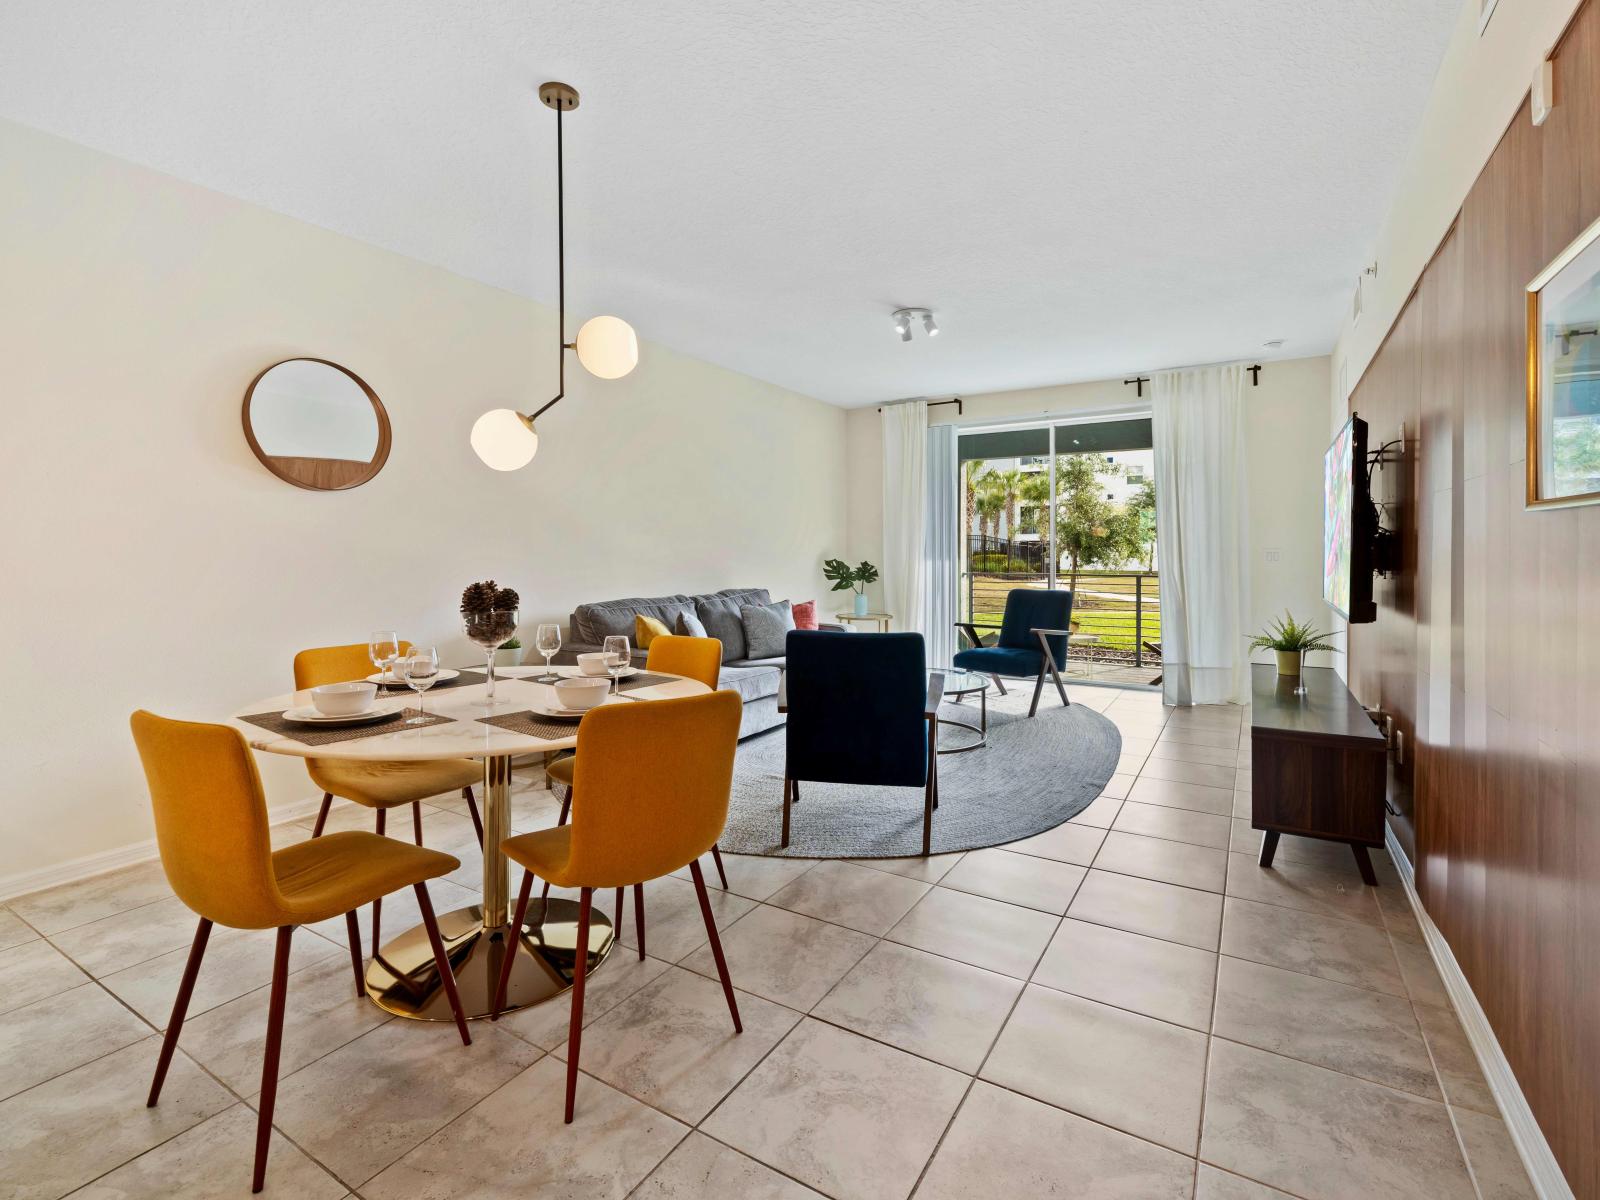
881, 620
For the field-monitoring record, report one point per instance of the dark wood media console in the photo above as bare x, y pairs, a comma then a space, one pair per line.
1318, 764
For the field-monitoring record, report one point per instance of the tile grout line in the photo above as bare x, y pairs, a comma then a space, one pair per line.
1205, 1070
999, 1032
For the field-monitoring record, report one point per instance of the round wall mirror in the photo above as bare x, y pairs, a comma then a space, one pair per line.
316, 425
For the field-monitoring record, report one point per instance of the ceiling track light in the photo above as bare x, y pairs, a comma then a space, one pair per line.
904, 316
606, 346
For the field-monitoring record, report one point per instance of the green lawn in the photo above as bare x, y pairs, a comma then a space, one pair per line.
1103, 606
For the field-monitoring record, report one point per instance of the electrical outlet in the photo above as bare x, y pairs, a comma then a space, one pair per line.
1273, 556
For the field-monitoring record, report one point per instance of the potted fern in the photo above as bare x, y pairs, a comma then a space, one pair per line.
1291, 641
844, 578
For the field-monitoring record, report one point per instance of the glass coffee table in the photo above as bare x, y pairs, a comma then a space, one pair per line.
958, 685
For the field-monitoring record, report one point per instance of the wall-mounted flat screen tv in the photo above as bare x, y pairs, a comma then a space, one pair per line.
1349, 525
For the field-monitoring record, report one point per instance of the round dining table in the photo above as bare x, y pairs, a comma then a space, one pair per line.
402, 977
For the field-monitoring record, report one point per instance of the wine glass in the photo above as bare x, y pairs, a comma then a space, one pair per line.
383, 647
489, 630
547, 641
420, 670
618, 657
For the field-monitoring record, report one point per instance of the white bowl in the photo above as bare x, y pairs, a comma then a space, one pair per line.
344, 699
581, 693
592, 664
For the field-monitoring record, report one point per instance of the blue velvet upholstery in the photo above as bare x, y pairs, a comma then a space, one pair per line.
1017, 652
1001, 660
856, 708
1028, 609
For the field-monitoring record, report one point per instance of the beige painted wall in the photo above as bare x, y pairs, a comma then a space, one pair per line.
1480, 83
151, 561
1287, 435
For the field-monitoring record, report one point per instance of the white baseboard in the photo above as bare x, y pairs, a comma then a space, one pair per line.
1543, 1171
20, 883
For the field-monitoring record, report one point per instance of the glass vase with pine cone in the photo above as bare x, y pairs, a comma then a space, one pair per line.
490, 615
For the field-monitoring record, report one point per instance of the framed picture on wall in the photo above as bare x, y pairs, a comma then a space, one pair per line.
1564, 377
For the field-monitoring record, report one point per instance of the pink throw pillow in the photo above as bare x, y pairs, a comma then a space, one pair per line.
805, 614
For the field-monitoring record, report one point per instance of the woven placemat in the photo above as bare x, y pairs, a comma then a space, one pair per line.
642, 680
532, 724
312, 735
465, 679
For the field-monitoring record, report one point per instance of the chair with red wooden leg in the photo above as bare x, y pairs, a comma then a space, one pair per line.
211, 827
379, 785
655, 780
693, 658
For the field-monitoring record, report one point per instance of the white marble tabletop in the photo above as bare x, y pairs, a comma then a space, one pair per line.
465, 736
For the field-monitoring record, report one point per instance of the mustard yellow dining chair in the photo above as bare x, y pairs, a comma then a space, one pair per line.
378, 785
694, 658
211, 827
655, 779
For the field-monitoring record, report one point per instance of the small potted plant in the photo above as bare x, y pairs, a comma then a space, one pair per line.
845, 578
509, 654
1291, 641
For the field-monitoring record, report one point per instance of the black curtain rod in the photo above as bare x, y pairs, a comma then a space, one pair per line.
935, 404
1139, 381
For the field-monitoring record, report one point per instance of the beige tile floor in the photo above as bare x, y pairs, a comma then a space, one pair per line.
1126, 1006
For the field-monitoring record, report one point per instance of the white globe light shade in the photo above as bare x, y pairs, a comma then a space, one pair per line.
607, 347
504, 439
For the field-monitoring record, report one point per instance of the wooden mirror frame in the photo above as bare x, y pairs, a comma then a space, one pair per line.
320, 474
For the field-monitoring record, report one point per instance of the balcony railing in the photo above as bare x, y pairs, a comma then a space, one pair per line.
1116, 615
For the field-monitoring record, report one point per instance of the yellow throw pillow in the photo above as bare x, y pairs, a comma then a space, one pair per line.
646, 630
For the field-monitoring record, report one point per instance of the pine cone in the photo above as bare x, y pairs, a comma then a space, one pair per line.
507, 600
478, 598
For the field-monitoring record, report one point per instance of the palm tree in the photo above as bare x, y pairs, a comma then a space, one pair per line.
1036, 512
1009, 484
1035, 499
991, 503
971, 470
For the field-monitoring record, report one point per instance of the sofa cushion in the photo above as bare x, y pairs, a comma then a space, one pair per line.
752, 683
647, 629
805, 614
720, 616
688, 625
742, 595
765, 627
777, 661
596, 622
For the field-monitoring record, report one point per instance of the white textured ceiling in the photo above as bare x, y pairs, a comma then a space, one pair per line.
1078, 189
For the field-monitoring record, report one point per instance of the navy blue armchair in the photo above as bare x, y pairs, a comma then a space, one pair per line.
1033, 640
862, 709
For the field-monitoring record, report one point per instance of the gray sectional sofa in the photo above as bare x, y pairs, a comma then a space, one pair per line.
755, 679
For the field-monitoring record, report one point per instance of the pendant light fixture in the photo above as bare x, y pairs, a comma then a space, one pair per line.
504, 438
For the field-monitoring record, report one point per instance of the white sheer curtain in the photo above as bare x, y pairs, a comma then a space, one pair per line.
905, 500
1202, 526
940, 544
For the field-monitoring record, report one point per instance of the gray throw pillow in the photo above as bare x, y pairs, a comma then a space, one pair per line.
720, 616
689, 626
766, 628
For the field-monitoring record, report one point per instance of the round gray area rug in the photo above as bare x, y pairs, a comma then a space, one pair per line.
1034, 774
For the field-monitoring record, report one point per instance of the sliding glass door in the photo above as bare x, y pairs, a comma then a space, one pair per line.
1071, 505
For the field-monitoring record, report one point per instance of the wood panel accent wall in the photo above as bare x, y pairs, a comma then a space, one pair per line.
1487, 643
